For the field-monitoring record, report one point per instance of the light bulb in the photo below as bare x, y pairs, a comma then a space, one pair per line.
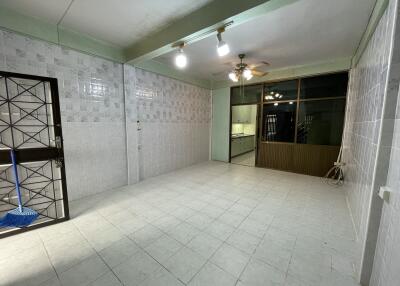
276, 104
222, 49
233, 76
247, 74
181, 59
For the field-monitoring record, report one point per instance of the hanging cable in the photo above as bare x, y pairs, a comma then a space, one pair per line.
335, 175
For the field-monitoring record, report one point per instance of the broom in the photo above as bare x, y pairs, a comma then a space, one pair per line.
21, 216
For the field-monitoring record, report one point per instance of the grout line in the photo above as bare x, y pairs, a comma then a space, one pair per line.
101, 258
51, 262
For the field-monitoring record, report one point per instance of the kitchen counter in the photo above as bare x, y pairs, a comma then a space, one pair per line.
234, 136
242, 143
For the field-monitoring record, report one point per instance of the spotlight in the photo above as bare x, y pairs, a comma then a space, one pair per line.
180, 58
222, 47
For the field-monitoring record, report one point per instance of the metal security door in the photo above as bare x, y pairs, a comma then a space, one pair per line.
30, 123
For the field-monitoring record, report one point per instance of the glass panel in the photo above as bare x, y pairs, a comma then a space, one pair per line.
332, 85
321, 122
246, 94
279, 122
284, 90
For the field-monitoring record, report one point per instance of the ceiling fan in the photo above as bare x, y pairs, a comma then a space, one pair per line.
243, 70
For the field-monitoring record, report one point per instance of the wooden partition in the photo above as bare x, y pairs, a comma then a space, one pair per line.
307, 159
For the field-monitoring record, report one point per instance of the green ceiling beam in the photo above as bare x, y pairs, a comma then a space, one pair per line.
195, 26
294, 72
165, 70
379, 10
36, 28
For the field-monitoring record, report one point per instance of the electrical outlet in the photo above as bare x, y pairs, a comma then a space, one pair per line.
384, 193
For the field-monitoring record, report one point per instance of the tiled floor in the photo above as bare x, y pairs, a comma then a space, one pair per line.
210, 224
247, 159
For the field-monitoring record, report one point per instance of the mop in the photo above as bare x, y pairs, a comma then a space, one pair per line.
21, 216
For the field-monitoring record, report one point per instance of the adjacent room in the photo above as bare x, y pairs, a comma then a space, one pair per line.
200, 143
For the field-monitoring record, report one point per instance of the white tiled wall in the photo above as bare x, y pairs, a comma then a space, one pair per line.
364, 113
100, 103
387, 256
92, 109
368, 130
174, 120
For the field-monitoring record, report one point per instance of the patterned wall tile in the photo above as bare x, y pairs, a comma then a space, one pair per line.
174, 120
100, 103
92, 109
387, 256
365, 116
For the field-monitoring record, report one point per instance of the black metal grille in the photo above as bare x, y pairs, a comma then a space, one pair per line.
30, 124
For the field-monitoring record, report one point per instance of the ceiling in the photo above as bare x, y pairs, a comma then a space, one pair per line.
119, 22
304, 32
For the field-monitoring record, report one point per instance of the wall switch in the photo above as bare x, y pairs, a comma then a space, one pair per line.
384, 193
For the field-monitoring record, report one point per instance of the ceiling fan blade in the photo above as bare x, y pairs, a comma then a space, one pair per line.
258, 73
260, 64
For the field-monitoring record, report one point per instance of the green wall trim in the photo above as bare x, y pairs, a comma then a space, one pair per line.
90, 45
162, 69
33, 27
14, 21
220, 124
196, 25
379, 10
293, 72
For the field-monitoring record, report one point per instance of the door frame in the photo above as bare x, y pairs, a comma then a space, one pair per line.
257, 127
36, 153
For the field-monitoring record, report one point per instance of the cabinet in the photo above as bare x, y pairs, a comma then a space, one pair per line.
241, 145
241, 114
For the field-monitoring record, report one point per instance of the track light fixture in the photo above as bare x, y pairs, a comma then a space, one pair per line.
180, 58
222, 47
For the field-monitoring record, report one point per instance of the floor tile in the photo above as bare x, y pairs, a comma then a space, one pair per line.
185, 264
85, 272
230, 259
260, 274
163, 248
166, 223
64, 257
119, 252
274, 254
137, 269
304, 228
161, 277
244, 241
254, 227
199, 220
108, 279
204, 244
212, 275
219, 230
231, 218
146, 235
183, 232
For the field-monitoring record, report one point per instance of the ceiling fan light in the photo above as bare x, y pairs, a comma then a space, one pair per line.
247, 74
181, 59
233, 77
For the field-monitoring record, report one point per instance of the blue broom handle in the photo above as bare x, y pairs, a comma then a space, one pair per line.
14, 163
